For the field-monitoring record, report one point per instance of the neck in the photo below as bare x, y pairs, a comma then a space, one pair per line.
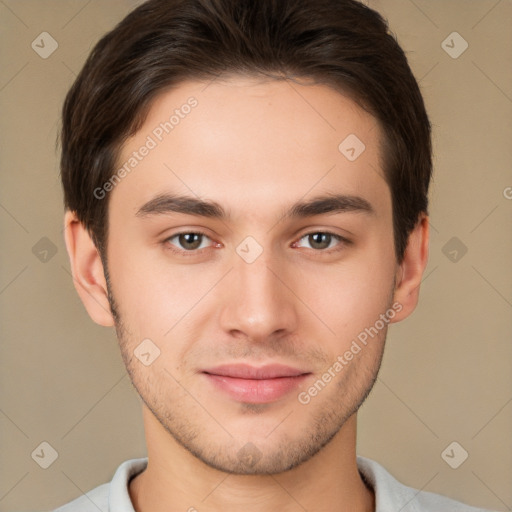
176, 480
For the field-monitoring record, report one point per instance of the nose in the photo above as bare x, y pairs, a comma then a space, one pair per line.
258, 303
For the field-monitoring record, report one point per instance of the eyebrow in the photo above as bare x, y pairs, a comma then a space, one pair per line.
320, 205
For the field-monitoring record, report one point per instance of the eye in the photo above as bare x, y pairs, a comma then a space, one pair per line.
321, 240
188, 241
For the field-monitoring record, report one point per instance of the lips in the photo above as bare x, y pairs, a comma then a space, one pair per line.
246, 383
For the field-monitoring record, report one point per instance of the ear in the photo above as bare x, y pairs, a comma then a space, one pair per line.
410, 271
87, 270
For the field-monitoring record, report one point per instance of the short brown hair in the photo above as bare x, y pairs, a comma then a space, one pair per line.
340, 43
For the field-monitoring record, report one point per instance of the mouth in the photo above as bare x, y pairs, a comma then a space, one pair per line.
250, 384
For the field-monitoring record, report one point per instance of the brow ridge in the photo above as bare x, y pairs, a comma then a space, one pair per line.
320, 205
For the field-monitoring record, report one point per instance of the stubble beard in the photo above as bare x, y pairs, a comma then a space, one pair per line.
329, 414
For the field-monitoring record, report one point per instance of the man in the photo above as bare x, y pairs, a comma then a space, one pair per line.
246, 192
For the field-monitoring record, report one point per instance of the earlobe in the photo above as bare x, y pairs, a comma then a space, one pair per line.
410, 271
87, 270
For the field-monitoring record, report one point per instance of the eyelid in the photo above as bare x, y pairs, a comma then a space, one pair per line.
342, 242
184, 252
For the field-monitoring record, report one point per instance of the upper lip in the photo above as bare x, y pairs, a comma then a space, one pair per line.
246, 371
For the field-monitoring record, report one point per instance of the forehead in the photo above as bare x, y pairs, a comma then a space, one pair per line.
248, 143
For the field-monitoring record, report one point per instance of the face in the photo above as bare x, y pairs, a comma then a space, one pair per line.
252, 267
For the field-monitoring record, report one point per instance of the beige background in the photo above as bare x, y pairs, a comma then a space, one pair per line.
447, 372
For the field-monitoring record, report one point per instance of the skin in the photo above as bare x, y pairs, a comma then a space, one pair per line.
254, 147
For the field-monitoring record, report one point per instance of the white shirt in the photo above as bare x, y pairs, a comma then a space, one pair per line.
390, 495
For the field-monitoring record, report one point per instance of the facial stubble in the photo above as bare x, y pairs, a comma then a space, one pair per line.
329, 413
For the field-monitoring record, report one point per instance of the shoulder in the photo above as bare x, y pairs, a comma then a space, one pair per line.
391, 495
110, 497
93, 501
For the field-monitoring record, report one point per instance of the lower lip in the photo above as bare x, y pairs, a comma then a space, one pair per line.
256, 391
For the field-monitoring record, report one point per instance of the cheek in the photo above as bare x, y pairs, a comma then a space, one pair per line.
143, 292
349, 303
154, 296
349, 297
158, 299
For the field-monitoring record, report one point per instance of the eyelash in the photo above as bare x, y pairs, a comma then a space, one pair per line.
183, 252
